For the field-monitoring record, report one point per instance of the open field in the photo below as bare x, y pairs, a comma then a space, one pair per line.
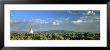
55, 36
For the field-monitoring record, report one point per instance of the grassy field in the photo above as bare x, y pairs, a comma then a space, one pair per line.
55, 36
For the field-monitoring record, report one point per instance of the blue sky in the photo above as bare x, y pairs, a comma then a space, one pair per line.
44, 20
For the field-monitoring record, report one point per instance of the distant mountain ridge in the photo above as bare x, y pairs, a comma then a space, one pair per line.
49, 31
60, 30
46, 31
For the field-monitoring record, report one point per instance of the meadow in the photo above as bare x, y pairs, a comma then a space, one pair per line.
52, 35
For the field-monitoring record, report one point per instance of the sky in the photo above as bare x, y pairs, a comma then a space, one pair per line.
46, 20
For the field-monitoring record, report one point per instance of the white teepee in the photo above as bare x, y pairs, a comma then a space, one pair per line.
30, 29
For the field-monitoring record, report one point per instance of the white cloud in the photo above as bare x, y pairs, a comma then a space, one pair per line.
56, 23
91, 12
77, 22
39, 21
86, 19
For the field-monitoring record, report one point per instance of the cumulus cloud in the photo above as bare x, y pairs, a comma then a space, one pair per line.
56, 23
86, 19
37, 22
90, 17
33, 22
78, 22
83, 12
90, 13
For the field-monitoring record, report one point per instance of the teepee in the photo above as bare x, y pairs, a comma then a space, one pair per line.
30, 29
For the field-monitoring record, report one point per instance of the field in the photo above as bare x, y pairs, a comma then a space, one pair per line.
55, 36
